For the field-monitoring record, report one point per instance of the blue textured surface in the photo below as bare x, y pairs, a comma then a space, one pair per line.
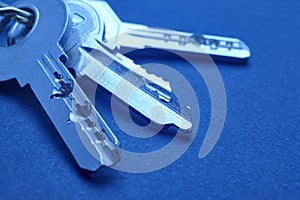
257, 156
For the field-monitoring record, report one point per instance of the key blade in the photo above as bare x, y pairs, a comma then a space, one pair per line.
218, 47
223, 47
131, 88
84, 120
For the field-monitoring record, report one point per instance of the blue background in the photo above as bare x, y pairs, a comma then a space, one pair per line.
257, 156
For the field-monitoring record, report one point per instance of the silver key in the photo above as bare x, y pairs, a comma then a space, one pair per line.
34, 60
133, 89
137, 36
90, 57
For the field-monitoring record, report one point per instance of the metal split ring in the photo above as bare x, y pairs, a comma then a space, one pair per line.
14, 14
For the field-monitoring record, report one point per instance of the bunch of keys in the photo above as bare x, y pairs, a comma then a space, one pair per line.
41, 46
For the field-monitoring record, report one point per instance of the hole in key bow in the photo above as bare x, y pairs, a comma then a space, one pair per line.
15, 25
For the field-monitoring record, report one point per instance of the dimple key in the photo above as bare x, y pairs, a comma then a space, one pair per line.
35, 61
137, 36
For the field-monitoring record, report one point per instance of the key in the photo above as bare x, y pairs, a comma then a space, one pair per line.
129, 35
90, 57
36, 60
149, 98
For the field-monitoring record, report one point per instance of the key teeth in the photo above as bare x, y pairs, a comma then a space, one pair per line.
152, 78
138, 69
